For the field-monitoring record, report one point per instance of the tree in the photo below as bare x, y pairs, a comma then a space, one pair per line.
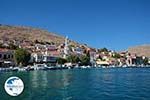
116, 55
61, 60
22, 56
73, 59
145, 61
76, 59
103, 50
85, 60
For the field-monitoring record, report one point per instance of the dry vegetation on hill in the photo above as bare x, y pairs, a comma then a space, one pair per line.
143, 50
29, 34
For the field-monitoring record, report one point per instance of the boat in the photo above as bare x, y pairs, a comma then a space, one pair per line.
29, 68
41, 67
22, 69
5, 69
15, 69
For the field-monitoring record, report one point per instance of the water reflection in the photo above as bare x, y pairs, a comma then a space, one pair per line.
82, 84
57, 82
65, 79
38, 79
60, 81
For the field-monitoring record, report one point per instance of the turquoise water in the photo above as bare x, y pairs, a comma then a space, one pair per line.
82, 84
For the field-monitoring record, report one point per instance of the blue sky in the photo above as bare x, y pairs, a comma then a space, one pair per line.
115, 24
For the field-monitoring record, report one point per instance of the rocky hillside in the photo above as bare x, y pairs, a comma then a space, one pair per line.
141, 50
18, 33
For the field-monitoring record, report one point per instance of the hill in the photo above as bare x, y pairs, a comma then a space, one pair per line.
141, 50
10, 33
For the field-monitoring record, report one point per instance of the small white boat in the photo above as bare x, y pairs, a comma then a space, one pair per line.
40, 66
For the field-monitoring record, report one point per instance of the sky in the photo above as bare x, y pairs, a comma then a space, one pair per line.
114, 24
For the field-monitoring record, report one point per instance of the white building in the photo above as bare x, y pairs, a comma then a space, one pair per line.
66, 49
77, 50
42, 58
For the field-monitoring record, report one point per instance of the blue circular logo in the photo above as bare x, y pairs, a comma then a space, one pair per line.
14, 86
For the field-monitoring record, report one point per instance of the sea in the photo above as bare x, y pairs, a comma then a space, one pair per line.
81, 84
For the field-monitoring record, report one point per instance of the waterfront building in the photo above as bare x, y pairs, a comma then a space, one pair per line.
102, 63
37, 57
6, 58
133, 59
42, 58
45, 54
121, 61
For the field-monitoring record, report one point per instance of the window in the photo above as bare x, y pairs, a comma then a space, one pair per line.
8, 56
5, 56
12, 56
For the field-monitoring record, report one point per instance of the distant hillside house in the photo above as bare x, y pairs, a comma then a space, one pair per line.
40, 47
77, 50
